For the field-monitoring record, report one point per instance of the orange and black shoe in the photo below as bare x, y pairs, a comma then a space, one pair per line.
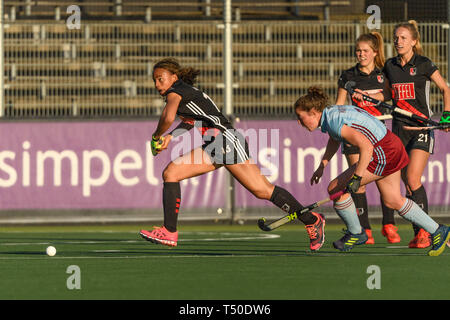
421, 240
316, 232
390, 232
160, 235
370, 239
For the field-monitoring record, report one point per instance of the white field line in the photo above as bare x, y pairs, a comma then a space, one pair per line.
153, 256
222, 237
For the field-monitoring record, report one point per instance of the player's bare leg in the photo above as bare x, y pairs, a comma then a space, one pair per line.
249, 175
440, 234
412, 175
192, 164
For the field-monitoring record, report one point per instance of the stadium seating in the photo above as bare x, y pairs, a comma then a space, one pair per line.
176, 9
104, 68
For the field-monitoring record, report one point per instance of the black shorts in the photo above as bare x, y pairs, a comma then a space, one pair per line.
229, 147
422, 140
348, 149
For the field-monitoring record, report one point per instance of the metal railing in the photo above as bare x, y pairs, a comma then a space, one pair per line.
105, 69
144, 10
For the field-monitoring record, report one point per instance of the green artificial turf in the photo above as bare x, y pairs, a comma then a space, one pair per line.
213, 262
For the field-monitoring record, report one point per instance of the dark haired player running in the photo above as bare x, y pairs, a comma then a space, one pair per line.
223, 147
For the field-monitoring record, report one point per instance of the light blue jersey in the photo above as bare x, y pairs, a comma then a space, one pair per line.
334, 118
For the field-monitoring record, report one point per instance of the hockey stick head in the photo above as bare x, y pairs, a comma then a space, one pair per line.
349, 85
262, 225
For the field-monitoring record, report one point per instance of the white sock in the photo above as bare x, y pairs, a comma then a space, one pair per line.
347, 211
413, 213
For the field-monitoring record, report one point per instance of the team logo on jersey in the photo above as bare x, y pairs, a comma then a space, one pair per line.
404, 91
413, 71
380, 78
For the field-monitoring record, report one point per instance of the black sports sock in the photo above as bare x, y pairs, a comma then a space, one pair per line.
360, 201
388, 214
171, 203
286, 202
419, 196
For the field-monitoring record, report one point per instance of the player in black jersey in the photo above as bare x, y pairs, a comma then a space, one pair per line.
369, 79
223, 147
410, 75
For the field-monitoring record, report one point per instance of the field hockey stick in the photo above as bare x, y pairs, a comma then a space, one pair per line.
384, 117
438, 127
264, 226
349, 87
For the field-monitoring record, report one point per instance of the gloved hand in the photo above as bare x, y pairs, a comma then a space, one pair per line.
354, 184
445, 117
156, 144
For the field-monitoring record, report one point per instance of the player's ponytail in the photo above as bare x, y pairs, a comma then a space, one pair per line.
375, 41
316, 98
187, 74
413, 28
379, 48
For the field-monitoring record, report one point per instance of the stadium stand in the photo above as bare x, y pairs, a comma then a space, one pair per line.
104, 67
179, 9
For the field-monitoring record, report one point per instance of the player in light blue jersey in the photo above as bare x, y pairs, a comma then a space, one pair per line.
334, 117
381, 158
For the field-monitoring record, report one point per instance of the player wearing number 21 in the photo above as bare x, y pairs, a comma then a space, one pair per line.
223, 147
410, 75
381, 158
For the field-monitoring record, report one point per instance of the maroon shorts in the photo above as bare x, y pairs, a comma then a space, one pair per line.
389, 156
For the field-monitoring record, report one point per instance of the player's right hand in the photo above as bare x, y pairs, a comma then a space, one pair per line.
358, 95
165, 143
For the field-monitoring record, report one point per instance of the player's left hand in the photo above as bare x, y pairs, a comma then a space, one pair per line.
354, 183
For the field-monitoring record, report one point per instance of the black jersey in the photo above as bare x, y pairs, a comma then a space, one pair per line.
411, 84
223, 143
375, 82
196, 105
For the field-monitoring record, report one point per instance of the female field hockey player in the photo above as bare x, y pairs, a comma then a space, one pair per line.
410, 75
369, 79
381, 157
223, 147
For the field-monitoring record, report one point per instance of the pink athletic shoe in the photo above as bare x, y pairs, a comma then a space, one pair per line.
160, 235
316, 232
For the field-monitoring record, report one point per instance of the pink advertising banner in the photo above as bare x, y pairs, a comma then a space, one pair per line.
93, 165
76, 165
